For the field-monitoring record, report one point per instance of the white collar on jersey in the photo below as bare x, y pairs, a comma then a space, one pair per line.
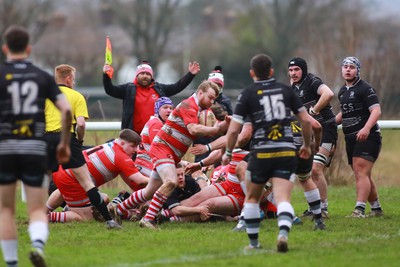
196, 99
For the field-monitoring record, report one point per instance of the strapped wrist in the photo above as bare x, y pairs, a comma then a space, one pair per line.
209, 147
312, 111
201, 162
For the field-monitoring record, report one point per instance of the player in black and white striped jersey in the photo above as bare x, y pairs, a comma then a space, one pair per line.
316, 97
359, 114
23, 154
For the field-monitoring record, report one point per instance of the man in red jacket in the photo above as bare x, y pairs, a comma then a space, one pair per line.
138, 98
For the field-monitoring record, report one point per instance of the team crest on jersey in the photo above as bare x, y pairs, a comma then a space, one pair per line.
301, 94
24, 128
351, 94
154, 96
295, 128
275, 133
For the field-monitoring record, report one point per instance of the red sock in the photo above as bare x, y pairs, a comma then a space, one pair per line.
57, 217
132, 202
155, 206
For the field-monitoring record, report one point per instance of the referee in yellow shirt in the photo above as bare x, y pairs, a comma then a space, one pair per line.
65, 78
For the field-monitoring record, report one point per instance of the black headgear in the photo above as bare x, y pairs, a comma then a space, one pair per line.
300, 62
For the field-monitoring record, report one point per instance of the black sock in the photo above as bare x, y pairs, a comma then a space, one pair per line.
97, 201
12, 263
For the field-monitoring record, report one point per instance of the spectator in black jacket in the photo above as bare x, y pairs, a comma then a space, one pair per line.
138, 98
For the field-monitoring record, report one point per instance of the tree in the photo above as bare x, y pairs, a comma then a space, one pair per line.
148, 23
65, 41
33, 14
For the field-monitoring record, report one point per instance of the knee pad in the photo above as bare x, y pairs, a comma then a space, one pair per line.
320, 158
304, 176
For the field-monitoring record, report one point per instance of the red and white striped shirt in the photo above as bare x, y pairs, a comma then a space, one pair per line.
174, 132
150, 130
107, 161
143, 159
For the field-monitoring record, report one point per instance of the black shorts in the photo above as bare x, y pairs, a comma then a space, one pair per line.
77, 159
304, 166
265, 164
369, 149
30, 169
329, 133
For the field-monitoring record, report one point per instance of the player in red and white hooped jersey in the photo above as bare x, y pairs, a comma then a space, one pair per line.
223, 198
173, 141
162, 108
105, 162
168, 147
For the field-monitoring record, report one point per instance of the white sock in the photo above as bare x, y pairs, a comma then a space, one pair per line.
38, 231
10, 250
285, 218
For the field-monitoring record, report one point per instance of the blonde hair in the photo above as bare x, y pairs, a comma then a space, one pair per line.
63, 71
208, 84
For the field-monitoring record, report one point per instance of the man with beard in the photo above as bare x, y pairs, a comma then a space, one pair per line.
169, 146
138, 97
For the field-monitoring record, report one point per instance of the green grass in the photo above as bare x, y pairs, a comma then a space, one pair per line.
340, 173
346, 242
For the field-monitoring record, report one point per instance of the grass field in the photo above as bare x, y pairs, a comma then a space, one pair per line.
384, 172
346, 242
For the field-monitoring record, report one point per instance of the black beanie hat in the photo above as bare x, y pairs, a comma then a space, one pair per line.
300, 62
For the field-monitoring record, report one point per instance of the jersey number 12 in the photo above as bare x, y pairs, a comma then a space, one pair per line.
23, 97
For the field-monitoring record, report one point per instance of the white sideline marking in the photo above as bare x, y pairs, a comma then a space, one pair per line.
194, 258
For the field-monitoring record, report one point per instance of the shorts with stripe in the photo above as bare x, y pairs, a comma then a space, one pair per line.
72, 192
266, 164
162, 154
144, 166
233, 191
304, 165
30, 169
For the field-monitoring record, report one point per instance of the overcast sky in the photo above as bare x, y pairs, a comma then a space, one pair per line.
383, 7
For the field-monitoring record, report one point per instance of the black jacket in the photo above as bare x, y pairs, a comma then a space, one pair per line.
127, 92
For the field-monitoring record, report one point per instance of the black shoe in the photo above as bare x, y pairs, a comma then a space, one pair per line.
307, 213
37, 257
